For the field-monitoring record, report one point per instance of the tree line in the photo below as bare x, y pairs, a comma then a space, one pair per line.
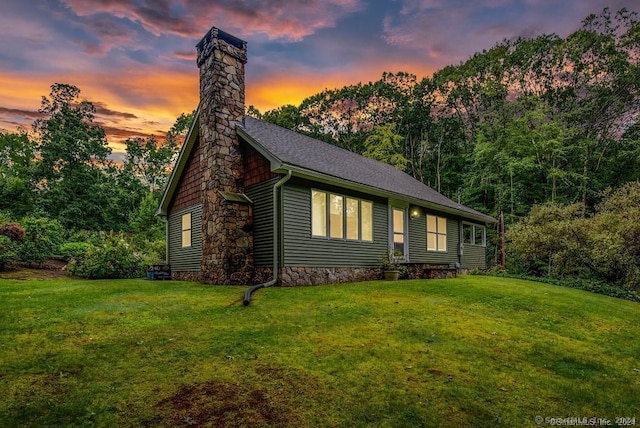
63, 170
62, 195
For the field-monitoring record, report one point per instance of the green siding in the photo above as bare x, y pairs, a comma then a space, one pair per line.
185, 259
300, 249
261, 195
474, 256
418, 241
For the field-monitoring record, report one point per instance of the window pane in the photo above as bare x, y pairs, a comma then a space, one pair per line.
186, 238
442, 242
186, 221
335, 221
466, 233
367, 221
479, 235
186, 230
318, 213
352, 218
432, 242
398, 221
442, 225
431, 224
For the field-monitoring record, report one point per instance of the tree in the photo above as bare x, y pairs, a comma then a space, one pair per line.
16, 184
383, 144
149, 161
71, 151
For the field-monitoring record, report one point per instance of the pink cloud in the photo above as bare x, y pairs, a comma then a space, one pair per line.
190, 56
292, 20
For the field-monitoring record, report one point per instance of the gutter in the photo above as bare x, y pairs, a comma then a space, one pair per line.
276, 222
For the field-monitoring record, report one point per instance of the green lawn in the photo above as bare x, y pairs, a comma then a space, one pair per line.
472, 351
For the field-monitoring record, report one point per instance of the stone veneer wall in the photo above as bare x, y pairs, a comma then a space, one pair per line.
294, 276
185, 276
299, 276
227, 239
430, 271
291, 276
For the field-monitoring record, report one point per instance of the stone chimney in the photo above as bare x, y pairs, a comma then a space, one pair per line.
227, 240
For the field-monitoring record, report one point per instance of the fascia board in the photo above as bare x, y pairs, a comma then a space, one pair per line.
181, 162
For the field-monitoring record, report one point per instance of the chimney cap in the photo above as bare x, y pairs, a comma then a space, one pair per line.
216, 33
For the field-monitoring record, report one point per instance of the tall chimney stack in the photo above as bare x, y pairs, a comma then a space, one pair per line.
226, 223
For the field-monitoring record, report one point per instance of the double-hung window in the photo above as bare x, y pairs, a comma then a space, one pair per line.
186, 230
436, 233
337, 216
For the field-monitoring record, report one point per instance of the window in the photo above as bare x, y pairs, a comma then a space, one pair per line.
398, 232
367, 220
336, 213
436, 233
186, 230
474, 234
353, 213
340, 217
318, 213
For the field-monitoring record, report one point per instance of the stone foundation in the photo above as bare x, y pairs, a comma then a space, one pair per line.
185, 276
300, 276
257, 275
430, 271
292, 276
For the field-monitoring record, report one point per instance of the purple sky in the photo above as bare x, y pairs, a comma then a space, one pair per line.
135, 59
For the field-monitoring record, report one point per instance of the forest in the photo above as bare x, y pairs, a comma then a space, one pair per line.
544, 129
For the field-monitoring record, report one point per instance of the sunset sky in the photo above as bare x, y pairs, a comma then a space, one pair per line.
135, 59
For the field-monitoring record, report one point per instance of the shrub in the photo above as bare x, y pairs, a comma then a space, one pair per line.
42, 239
8, 253
13, 231
592, 286
72, 250
112, 258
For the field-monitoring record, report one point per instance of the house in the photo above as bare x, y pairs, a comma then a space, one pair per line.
248, 199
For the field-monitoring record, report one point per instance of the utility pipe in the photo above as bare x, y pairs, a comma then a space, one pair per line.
247, 294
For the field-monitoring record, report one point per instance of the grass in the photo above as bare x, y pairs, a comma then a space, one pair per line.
472, 351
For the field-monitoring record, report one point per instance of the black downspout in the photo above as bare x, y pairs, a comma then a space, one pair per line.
276, 223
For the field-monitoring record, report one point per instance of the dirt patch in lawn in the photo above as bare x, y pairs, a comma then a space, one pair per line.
273, 399
50, 269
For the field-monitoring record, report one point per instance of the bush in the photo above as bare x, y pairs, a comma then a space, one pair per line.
42, 239
8, 253
561, 242
592, 286
13, 231
72, 250
112, 258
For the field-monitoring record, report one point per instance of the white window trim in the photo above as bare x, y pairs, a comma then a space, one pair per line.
473, 234
437, 233
405, 252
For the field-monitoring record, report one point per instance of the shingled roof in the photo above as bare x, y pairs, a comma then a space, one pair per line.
291, 150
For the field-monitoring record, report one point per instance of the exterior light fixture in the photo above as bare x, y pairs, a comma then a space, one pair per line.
415, 212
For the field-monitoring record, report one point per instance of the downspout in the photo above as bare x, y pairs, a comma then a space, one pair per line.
166, 239
276, 222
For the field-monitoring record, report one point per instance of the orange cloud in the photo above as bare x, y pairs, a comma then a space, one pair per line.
137, 103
